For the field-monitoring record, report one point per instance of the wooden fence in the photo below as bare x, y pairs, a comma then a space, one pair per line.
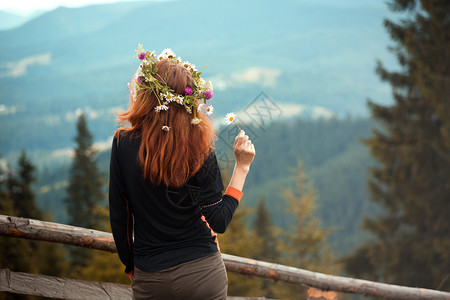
60, 233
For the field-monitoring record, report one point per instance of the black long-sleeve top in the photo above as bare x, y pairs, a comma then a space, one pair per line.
171, 225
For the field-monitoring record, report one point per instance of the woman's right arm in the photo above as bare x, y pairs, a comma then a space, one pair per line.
244, 151
219, 212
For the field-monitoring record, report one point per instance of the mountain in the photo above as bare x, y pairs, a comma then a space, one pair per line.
316, 54
9, 20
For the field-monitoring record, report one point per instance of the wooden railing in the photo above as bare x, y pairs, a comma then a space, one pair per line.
65, 234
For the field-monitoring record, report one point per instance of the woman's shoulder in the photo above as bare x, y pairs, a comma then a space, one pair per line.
211, 160
209, 168
122, 136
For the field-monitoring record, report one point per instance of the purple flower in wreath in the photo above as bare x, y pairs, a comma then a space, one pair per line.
187, 91
141, 55
139, 80
208, 94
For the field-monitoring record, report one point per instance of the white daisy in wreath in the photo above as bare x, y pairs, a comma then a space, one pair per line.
161, 107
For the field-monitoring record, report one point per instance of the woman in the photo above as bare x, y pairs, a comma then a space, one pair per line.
165, 184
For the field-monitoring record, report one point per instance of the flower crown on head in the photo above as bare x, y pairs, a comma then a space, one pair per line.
146, 78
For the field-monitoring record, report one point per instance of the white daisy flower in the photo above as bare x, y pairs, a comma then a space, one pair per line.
230, 118
195, 121
188, 65
161, 107
178, 99
179, 61
167, 53
169, 97
201, 107
209, 110
165, 128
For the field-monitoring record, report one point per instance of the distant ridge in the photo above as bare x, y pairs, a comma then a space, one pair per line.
313, 54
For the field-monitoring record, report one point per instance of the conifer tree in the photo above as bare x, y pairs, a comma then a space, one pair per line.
266, 246
16, 254
21, 191
412, 147
84, 191
21, 254
263, 229
305, 245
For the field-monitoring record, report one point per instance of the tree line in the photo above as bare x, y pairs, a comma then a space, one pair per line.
303, 246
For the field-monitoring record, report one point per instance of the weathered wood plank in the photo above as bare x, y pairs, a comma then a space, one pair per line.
57, 233
63, 288
53, 232
327, 282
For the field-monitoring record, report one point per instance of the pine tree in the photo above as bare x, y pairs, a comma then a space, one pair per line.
266, 246
305, 245
21, 191
412, 146
21, 254
264, 231
84, 191
16, 254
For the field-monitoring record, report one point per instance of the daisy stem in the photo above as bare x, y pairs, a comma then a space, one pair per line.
237, 125
157, 97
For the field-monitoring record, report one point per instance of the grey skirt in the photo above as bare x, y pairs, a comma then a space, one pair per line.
201, 279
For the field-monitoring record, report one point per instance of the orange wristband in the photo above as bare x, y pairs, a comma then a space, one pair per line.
234, 192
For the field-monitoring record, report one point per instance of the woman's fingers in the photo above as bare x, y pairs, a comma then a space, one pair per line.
244, 150
240, 138
240, 134
242, 141
252, 148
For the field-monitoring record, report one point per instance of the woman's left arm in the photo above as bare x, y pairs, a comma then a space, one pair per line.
120, 212
220, 213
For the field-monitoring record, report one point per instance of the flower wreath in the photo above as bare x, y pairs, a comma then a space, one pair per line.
146, 73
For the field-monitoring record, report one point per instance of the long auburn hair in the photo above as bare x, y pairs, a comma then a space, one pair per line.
167, 157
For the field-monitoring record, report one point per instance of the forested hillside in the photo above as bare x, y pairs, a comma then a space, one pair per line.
331, 153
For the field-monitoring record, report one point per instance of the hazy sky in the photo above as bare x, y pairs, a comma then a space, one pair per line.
25, 7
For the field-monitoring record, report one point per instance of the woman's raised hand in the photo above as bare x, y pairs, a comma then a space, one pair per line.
244, 151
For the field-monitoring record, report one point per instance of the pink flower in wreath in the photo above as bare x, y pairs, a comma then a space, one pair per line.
208, 94
187, 91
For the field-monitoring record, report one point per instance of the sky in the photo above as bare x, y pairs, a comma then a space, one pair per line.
27, 7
